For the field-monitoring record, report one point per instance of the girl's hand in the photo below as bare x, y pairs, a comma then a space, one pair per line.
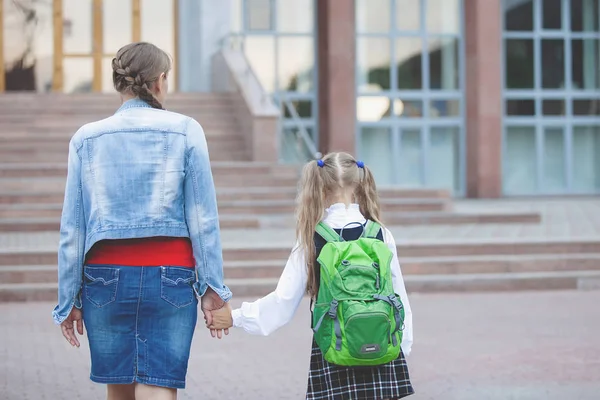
68, 326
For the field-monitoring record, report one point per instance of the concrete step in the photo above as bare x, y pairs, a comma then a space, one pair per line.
49, 224
571, 280
266, 253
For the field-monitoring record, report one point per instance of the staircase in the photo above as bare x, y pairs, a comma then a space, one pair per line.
34, 135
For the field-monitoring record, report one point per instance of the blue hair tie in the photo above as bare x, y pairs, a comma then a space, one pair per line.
360, 164
320, 163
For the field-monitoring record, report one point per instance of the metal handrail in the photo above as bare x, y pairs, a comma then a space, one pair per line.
265, 96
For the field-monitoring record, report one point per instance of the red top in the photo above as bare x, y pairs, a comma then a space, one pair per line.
146, 252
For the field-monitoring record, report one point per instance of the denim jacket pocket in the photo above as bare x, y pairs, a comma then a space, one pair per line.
176, 286
100, 285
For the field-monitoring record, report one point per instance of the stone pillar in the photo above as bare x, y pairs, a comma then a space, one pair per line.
336, 64
483, 32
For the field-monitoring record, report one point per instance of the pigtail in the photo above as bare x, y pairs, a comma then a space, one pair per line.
366, 195
310, 207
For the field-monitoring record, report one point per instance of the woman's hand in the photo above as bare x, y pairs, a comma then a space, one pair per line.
68, 326
221, 318
210, 303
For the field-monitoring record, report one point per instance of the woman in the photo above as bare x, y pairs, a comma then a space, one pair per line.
139, 235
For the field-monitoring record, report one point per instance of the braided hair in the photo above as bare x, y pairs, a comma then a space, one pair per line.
136, 67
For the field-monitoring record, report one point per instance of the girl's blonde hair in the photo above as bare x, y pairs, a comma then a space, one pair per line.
321, 182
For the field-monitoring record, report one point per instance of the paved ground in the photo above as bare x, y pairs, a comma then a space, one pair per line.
517, 346
562, 219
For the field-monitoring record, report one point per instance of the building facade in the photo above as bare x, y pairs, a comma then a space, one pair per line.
486, 98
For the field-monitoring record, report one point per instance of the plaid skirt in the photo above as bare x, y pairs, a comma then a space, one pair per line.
332, 382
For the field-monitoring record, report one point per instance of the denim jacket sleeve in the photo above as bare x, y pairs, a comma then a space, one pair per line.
201, 214
72, 240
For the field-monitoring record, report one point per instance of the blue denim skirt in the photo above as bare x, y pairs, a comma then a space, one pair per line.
140, 322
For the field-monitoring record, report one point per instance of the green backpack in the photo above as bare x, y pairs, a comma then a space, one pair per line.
357, 317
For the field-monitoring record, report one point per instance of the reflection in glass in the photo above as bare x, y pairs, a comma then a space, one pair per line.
260, 51
28, 45
408, 15
373, 58
373, 108
377, 152
553, 62
551, 14
410, 171
443, 64
116, 24
408, 60
444, 108
444, 153
258, 15
372, 16
78, 75
585, 15
586, 107
443, 16
518, 15
295, 16
520, 160
295, 63
520, 107
586, 159
302, 107
585, 64
77, 26
554, 176
408, 108
553, 107
519, 64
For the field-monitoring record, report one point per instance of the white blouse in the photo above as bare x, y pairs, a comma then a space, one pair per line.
265, 315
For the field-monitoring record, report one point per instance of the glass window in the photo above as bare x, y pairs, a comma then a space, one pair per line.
373, 58
586, 158
78, 75
584, 15
443, 16
116, 25
376, 148
296, 62
293, 147
520, 160
408, 60
372, 16
551, 14
408, 15
303, 108
519, 64
445, 150
260, 51
553, 107
553, 61
258, 15
585, 64
157, 23
521, 107
410, 168
586, 107
554, 176
443, 64
28, 46
518, 15
237, 16
373, 108
295, 16
408, 108
77, 26
444, 108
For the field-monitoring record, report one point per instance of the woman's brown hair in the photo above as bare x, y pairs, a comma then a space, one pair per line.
321, 181
136, 67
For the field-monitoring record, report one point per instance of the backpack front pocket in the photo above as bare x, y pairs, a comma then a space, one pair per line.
368, 334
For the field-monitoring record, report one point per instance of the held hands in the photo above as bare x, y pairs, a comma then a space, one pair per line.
217, 314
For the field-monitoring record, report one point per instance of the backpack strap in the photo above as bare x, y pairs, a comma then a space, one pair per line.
327, 233
371, 230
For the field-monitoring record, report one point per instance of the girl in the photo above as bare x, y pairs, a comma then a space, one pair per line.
345, 189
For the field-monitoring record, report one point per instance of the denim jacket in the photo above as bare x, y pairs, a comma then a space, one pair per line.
142, 172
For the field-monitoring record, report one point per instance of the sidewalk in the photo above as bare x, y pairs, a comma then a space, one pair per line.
518, 346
